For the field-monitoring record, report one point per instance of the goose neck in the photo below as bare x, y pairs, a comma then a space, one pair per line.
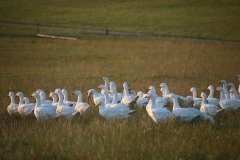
21, 97
38, 101
79, 100
12, 98
175, 102
194, 94
60, 99
211, 94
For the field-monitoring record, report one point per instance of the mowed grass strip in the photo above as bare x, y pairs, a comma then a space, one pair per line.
27, 64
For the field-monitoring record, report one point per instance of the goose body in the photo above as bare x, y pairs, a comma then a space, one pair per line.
43, 113
209, 109
118, 111
24, 109
64, 110
157, 113
188, 114
12, 108
142, 101
226, 103
81, 106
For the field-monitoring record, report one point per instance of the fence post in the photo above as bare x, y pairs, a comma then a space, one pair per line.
106, 29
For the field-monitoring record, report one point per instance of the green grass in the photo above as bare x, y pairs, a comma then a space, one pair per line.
212, 19
30, 63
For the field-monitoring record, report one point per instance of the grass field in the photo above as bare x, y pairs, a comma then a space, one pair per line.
28, 63
214, 19
31, 63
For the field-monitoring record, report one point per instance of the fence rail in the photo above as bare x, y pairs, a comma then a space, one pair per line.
14, 28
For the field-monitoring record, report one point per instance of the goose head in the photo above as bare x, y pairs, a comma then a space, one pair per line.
58, 91
106, 79
26, 100
11, 94
132, 92
125, 85
77, 92
219, 89
210, 87
64, 92
203, 95
163, 85
91, 92
52, 94
231, 85
36, 95
193, 89
140, 94
39, 91
237, 76
20, 94
223, 82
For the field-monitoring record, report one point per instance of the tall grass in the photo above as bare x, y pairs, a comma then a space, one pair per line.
30, 63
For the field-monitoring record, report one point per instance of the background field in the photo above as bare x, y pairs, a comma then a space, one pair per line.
214, 19
28, 63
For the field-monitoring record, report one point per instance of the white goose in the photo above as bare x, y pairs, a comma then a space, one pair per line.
43, 113
54, 99
210, 98
182, 100
113, 113
104, 90
97, 98
196, 101
65, 98
24, 109
81, 106
113, 86
157, 113
43, 96
160, 101
224, 84
12, 108
127, 98
234, 94
142, 101
209, 109
238, 77
188, 114
64, 110
226, 103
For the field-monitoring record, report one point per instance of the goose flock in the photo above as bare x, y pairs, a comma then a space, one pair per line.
115, 105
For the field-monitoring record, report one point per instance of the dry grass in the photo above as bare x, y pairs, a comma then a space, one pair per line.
29, 63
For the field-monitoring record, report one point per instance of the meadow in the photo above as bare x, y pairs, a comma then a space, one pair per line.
28, 63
